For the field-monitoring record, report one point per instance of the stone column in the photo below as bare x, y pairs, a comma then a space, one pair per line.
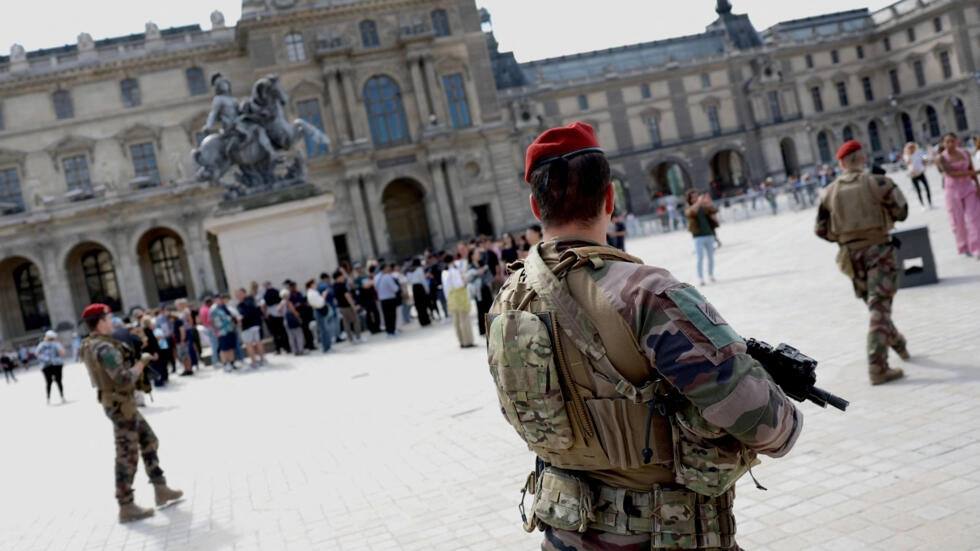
55, 281
362, 231
358, 117
337, 106
446, 219
199, 258
375, 210
418, 85
461, 214
438, 102
126, 263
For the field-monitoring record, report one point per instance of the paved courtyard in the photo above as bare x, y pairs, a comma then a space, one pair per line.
399, 444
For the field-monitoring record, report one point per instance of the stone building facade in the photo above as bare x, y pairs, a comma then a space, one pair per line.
428, 122
732, 106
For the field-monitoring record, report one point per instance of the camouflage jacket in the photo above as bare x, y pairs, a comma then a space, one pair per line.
696, 351
107, 367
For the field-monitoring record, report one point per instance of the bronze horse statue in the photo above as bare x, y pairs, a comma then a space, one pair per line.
255, 137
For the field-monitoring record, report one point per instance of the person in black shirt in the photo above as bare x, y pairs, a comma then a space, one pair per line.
277, 327
347, 307
508, 253
251, 327
437, 297
616, 236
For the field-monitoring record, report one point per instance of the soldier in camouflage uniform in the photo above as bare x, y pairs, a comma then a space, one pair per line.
115, 381
637, 397
856, 211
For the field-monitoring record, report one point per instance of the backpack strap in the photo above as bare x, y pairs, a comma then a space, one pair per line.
547, 284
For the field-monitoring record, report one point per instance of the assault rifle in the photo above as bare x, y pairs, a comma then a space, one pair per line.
794, 372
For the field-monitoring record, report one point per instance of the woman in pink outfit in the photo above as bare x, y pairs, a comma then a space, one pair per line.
962, 195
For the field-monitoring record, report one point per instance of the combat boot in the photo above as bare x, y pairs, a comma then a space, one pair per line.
165, 495
130, 512
889, 374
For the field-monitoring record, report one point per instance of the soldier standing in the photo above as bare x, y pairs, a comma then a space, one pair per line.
857, 210
115, 382
638, 399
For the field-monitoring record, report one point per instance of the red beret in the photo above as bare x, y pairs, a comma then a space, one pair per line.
562, 142
850, 146
96, 310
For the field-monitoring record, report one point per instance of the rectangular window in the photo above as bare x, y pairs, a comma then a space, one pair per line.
834, 57
295, 51
911, 34
63, 108
887, 43
713, 120
817, 100
459, 109
937, 24
583, 103
893, 77
869, 94
774, 109
11, 200
145, 163
130, 89
943, 60
705, 80
860, 52
645, 91
309, 111
76, 176
1, 116
809, 61
653, 127
842, 93
920, 74
195, 82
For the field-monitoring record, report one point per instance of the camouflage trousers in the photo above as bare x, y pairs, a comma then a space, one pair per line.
134, 437
595, 540
876, 282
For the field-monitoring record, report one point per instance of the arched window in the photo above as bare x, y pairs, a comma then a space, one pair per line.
873, 136
959, 114
440, 23
295, 51
369, 34
823, 144
100, 279
848, 133
30, 295
385, 111
907, 127
165, 258
653, 128
933, 121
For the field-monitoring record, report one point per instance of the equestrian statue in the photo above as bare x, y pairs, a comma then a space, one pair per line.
255, 136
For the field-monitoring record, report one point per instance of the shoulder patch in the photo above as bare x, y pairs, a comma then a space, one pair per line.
704, 316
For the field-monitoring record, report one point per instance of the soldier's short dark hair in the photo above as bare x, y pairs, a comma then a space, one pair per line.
93, 321
573, 190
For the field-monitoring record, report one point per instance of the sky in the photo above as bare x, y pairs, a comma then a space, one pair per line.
532, 29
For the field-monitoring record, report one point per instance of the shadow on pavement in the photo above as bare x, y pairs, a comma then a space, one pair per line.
754, 276
178, 516
958, 280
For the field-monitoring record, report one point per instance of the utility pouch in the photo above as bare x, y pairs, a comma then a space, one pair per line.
563, 500
844, 261
706, 459
522, 363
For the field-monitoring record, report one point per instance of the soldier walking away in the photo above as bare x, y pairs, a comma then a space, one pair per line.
51, 354
115, 382
857, 210
639, 400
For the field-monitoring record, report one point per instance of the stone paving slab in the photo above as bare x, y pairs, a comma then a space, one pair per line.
399, 444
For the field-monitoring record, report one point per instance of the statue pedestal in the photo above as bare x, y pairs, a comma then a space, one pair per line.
259, 241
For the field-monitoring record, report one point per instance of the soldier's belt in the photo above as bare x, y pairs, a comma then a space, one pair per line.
674, 517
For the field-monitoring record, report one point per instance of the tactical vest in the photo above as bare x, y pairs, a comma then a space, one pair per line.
559, 389
857, 217
109, 392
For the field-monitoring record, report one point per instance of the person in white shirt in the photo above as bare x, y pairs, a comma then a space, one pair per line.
458, 299
915, 163
320, 312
